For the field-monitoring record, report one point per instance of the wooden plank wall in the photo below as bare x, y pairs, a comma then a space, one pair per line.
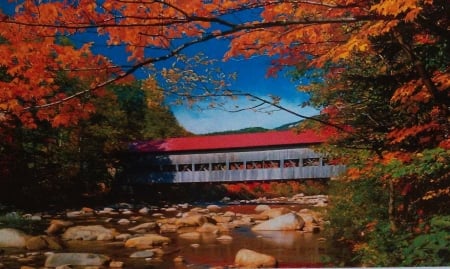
201, 167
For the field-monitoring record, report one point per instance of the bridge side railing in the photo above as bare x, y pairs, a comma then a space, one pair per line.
310, 172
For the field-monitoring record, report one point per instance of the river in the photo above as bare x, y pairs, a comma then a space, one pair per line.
292, 249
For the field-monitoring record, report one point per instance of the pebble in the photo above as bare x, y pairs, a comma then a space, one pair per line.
127, 212
123, 222
116, 264
144, 210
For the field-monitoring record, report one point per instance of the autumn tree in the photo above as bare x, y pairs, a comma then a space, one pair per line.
382, 65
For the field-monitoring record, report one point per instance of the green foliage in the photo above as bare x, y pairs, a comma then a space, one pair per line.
431, 248
359, 222
17, 221
60, 166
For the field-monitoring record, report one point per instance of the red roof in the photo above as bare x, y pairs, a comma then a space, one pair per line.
231, 141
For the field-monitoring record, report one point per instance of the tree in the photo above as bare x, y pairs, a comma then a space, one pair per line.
382, 70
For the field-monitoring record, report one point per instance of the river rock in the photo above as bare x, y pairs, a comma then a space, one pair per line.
229, 214
36, 243
90, 232
57, 226
224, 238
74, 214
311, 224
87, 211
144, 210
222, 218
116, 264
286, 222
13, 238
275, 212
191, 220
147, 240
251, 259
142, 254
261, 208
213, 208
243, 221
259, 217
123, 222
76, 259
123, 237
143, 228
208, 228
190, 235
43, 242
168, 228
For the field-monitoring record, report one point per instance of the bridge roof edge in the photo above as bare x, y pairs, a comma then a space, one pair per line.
232, 141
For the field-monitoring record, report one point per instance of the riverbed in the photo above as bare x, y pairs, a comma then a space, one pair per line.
292, 249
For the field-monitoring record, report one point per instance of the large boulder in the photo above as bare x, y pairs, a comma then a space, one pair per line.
13, 238
76, 259
41, 242
311, 223
89, 232
286, 222
146, 241
251, 259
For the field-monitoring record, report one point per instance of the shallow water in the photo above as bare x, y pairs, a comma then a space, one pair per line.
292, 249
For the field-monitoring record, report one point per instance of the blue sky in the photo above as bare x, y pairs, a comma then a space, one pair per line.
251, 78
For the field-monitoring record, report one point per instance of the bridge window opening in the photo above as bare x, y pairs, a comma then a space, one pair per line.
250, 165
271, 164
311, 162
258, 164
291, 163
201, 167
185, 167
219, 166
237, 166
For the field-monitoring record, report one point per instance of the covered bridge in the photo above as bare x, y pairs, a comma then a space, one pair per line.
273, 155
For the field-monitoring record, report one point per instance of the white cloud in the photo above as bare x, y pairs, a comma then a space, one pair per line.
208, 121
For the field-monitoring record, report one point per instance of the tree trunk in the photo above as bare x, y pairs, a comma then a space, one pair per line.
391, 206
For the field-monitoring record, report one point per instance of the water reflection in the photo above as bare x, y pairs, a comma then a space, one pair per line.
291, 248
